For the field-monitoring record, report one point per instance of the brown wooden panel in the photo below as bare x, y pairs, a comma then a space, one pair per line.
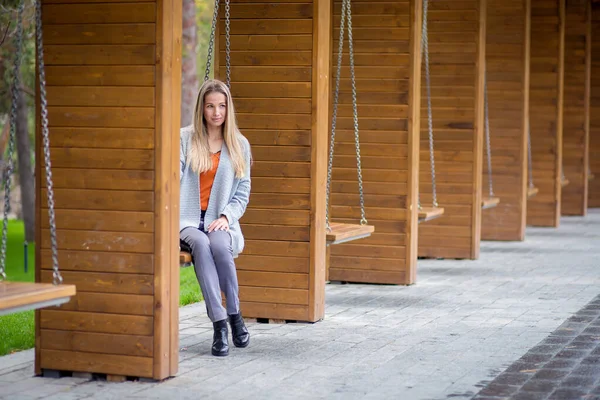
576, 110
100, 241
100, 75
457, 68
508, 105
115, 179
594, 144
385, 41
546, 108
279, 57
106, 282
100, 34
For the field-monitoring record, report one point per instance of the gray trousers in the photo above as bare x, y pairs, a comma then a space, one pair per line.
215, 270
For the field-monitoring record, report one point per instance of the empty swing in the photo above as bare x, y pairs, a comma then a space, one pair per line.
531, 189
489, 201
185, 253
340, 232
429, 213
23, 296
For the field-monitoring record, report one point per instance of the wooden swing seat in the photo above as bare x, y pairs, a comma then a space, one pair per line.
429, 213
23, 296
185, 259
341, 233
564, 182
489, 202
532, 191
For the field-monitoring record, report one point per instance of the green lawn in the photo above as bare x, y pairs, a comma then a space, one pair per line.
17, 330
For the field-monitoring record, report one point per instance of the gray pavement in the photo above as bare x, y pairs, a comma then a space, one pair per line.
448, 336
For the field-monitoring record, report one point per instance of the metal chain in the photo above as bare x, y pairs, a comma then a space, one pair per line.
227, 45
57, 278
363, 218
16, 85
425, 50
334, 114
529, 164
211, 41
487, 137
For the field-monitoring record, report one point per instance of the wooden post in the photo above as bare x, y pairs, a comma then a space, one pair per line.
507, 59
577, 106
113, 72
387, 41
457, 59
546, 110
594, 145
280, 58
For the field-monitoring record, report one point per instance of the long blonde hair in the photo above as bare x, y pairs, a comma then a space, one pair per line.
199, 157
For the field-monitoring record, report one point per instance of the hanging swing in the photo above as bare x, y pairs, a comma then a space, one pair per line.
429, 213
489, 201
340, 232
23, 296
531, 189
185, 253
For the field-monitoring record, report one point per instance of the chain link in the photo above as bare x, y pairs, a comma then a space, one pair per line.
8, 171
57, 278
487, 137
363, 218
529, 165
211, 41
334, 113
346, 14
227, 44
425, 50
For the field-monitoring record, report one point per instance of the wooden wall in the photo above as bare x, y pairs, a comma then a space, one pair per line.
576, 106
457, 59
280, 57
507, 65
545, 110
386, 45
594, 151
113, 73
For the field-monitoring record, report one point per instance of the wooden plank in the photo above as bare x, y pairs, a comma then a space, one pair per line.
100, 75
95, 322
594, 135
99, 13
131, 54
117, 200
126, 345
106, 282
72, 260
111, 303
100, 34
98, 363
133, 242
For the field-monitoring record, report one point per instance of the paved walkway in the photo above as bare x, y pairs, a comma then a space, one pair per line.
448, 336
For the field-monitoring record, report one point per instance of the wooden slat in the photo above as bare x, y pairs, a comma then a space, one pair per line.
429, 213
97, 363
594, 136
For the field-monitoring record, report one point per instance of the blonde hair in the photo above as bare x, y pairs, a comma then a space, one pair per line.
199, 157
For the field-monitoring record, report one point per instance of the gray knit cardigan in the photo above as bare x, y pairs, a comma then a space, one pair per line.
229, 195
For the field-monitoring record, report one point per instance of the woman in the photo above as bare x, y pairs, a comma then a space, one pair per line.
215, 189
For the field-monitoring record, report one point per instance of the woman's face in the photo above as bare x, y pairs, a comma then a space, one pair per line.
215, 109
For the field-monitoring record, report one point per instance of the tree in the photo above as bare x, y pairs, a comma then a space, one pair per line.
189, 70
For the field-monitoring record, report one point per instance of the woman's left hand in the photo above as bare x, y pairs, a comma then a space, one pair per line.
220, 224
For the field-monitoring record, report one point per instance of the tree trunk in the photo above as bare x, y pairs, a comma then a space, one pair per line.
25, 171
189, 78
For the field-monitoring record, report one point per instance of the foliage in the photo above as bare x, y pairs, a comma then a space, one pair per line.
204, 15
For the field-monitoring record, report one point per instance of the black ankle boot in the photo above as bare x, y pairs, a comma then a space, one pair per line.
220, 346
239, 333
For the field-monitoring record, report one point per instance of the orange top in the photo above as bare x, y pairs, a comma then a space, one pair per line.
206, 181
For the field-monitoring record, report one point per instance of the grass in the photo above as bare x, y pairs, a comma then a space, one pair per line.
17, 331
